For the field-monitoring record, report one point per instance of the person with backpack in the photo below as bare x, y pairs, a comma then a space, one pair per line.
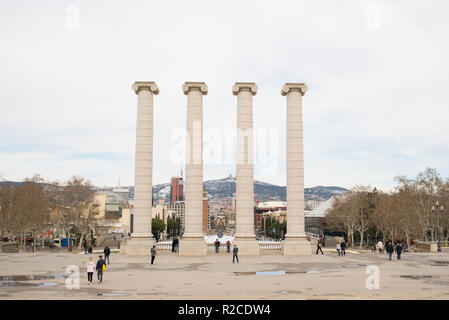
101, 267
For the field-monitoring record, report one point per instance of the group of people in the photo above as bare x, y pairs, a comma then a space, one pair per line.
235, 249
100, 266
390, 249
341, 247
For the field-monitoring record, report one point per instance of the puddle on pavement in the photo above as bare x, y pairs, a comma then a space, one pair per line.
9, 284
25, 281
353, 265
274, 273
415, 276
33, 277
113, 294
439, 263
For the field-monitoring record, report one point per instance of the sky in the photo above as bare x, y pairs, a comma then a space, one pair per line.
377, 71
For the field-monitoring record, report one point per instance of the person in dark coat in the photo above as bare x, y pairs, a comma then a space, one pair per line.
390, 249
153, 254
176, 244
217, 246
99, 268
85, 246
173, 244
318, 247
107, 252
235, 253
343, 248
398, 249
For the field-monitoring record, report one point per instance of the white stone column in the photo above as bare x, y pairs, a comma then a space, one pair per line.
142, 238
192, 243
295, 240
244, 193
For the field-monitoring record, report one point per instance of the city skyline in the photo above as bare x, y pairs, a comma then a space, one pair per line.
376, 106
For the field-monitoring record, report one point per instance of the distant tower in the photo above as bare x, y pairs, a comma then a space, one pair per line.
177, 189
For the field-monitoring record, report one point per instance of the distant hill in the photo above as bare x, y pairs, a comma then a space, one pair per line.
225, 188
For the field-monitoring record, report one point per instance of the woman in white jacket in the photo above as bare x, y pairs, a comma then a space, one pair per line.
90, 268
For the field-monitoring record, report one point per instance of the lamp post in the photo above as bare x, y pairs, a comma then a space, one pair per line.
438, 210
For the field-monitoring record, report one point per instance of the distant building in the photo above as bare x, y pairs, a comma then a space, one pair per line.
177, 189
178, 210
206, 219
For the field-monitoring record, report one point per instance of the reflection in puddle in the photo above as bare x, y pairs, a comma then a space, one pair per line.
34, 277
8, 284
274, 273
24, 281
113, 294
415, 276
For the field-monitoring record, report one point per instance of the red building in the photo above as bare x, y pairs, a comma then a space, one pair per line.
177, 189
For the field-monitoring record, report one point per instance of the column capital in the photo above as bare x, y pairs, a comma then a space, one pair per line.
201, 86
150, 85
244, 85
301, 87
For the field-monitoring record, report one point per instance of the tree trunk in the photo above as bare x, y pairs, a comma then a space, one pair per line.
81, 240
361, 239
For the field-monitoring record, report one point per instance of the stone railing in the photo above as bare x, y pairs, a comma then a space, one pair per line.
425, 246
164, 247
221, 249
10, 247
270, 248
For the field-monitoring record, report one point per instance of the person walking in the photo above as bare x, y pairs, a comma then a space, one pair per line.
107, 252
235, 254
318, 247
101, 266
153, 254
90, 268
173, 244
85, 246
398, 249
343, 248
390, 249
228, 246
217, 246
338, 248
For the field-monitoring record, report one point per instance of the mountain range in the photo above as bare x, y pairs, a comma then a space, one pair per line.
263, 191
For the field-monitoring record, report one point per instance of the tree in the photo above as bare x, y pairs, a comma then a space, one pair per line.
83, 211
157, 226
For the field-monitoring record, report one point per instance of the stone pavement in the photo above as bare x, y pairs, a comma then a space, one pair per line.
328, 276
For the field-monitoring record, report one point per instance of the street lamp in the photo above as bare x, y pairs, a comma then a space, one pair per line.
438, 210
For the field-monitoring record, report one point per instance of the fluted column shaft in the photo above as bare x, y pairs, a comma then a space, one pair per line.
295, 160
244, 193
193, 193
143, 183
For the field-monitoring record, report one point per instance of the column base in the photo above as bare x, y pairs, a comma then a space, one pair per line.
248, 246
298, 246
137, 246
192, 246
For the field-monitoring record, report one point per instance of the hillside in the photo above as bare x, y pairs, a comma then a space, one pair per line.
224, 188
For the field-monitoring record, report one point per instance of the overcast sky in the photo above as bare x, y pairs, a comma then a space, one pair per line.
377, 72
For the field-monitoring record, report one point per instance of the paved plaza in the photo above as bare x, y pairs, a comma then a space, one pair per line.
328, 276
